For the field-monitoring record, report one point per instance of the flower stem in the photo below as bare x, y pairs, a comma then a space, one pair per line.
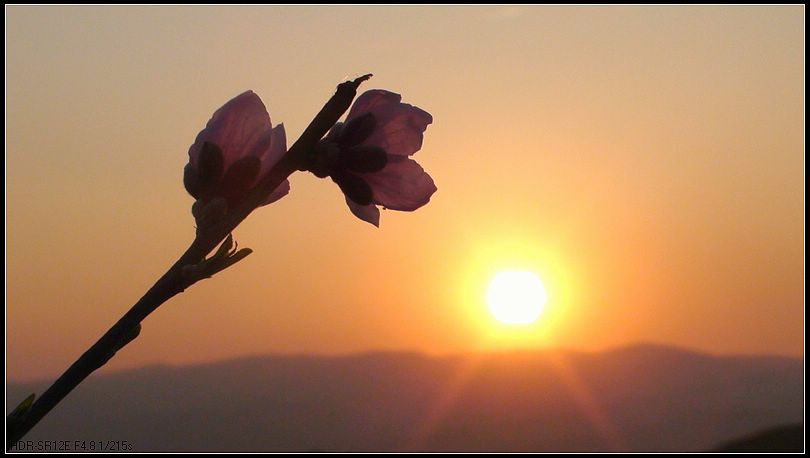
173, 281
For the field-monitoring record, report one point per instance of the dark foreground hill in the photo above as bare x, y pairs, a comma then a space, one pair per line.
781, 439
641, 398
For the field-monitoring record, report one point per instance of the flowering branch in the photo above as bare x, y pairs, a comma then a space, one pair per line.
190, 268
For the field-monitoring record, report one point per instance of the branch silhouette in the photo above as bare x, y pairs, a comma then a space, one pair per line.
190, 268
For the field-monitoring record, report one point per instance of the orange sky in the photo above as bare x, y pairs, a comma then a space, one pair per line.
646, 162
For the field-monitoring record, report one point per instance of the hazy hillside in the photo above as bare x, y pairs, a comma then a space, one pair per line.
641, 398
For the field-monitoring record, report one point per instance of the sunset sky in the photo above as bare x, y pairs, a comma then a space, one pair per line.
647, 163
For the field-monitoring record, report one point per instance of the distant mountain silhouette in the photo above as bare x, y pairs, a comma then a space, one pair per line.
642, 398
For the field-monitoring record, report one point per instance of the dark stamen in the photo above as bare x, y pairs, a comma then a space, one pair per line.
364, 159
209, 165
357, 130
353, 186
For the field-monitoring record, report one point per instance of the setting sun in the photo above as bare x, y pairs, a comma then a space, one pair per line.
480, 229
516, 297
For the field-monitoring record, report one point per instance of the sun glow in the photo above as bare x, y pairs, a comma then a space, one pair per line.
516, 297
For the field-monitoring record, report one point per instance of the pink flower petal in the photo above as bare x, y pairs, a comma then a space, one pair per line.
400, 127
276, 149
371, 100
240, 128
401, 185
368, 213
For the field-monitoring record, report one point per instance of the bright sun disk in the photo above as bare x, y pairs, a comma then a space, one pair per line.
516, 297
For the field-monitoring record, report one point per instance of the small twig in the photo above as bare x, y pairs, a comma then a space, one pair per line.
226, 256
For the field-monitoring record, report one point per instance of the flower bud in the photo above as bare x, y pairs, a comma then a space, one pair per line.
237, 148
